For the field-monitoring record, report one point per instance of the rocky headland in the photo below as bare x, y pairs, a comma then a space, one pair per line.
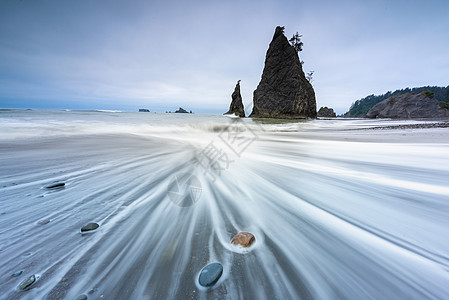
409, 106
360, 108
283, 91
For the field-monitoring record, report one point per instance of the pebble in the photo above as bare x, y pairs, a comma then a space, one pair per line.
43, 222
89, 227
210, 274
92, 291
17, 274
244, 239
55, 185
26, 283
81, 297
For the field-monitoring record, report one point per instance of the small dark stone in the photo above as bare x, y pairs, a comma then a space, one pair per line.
92, 291
26, 283
56, 185
89, 227
81, 297
17, 274
210, 274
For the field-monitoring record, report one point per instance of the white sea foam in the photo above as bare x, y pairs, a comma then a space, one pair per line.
336, 212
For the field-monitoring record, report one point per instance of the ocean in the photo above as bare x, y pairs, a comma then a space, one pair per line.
340, 208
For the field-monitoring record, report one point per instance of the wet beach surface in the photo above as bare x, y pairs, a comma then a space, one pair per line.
334, 213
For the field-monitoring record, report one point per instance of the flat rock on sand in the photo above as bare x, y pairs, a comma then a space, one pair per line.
26, 283
89, 227
56, 185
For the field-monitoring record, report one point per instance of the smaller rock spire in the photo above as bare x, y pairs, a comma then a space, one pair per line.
236, 106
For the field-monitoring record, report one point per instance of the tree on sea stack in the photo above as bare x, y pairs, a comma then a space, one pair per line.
283, 91
309, 76
296, 42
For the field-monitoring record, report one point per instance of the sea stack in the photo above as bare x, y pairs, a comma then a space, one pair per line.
236, 106
283, 91
326, 112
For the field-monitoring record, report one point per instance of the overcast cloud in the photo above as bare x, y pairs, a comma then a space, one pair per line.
103, 54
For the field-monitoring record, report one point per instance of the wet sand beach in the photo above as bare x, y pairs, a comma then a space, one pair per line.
338, 210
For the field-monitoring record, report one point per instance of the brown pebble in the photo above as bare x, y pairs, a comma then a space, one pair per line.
244, 239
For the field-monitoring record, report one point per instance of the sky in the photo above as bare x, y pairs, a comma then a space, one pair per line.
126, 55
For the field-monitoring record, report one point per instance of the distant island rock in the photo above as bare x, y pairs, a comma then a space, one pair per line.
144, 110
409, 106
283, 91
326, 112
182, 111
236, 106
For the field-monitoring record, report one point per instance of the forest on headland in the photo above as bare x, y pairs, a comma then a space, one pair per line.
360, 107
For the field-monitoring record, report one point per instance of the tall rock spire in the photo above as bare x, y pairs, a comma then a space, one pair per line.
236, 106
283, 91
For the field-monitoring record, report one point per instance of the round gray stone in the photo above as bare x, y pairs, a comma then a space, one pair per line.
210, 274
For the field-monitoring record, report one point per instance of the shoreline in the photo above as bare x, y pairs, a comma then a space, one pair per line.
409, 126
382, 131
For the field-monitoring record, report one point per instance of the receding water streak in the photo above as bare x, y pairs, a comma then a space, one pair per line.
336, 212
